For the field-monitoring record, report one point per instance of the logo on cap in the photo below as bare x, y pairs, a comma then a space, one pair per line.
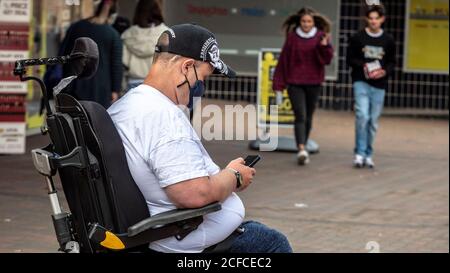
210, 52
206, 46
214, 53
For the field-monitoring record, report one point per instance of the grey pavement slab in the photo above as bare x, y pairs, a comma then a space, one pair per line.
326, 206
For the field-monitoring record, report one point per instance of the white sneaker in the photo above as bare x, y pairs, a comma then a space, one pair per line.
303, 157
358, 162
369, 162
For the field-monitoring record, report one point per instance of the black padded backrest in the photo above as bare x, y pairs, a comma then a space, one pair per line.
129, 205
120, 203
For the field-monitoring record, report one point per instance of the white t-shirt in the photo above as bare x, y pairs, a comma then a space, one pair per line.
163, 149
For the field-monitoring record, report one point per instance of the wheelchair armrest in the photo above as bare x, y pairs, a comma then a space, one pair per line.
171, 217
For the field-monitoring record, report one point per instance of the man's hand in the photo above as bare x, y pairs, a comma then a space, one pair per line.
114, 97
247, 173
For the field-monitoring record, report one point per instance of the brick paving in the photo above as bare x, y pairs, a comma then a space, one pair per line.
327, 206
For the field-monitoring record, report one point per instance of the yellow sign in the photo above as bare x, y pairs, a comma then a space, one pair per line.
268, 59
426, 43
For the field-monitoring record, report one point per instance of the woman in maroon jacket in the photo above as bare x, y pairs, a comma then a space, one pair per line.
301, 69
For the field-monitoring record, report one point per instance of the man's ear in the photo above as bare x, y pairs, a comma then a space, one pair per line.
185, 65
383, 19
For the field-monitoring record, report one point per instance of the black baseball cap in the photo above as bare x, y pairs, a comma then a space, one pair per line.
196, 42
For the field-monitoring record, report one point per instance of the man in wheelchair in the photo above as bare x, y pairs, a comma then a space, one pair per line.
137, 178
166, 158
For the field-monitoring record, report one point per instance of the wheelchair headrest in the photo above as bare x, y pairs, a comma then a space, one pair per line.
84, 57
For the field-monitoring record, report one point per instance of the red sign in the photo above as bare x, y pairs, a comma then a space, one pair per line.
14, 36
12, 108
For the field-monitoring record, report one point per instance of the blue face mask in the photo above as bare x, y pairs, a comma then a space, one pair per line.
194, 91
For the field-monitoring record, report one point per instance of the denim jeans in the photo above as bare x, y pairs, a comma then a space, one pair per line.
258, 238
369, 102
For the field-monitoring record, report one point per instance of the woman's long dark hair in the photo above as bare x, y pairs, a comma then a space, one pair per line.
147, 12
321, 22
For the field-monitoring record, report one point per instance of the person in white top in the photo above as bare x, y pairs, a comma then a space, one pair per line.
167, 159
140, 40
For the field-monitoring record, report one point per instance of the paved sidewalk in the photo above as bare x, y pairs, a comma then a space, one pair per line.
327, 206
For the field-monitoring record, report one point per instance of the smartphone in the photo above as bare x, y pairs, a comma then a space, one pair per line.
251, 160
